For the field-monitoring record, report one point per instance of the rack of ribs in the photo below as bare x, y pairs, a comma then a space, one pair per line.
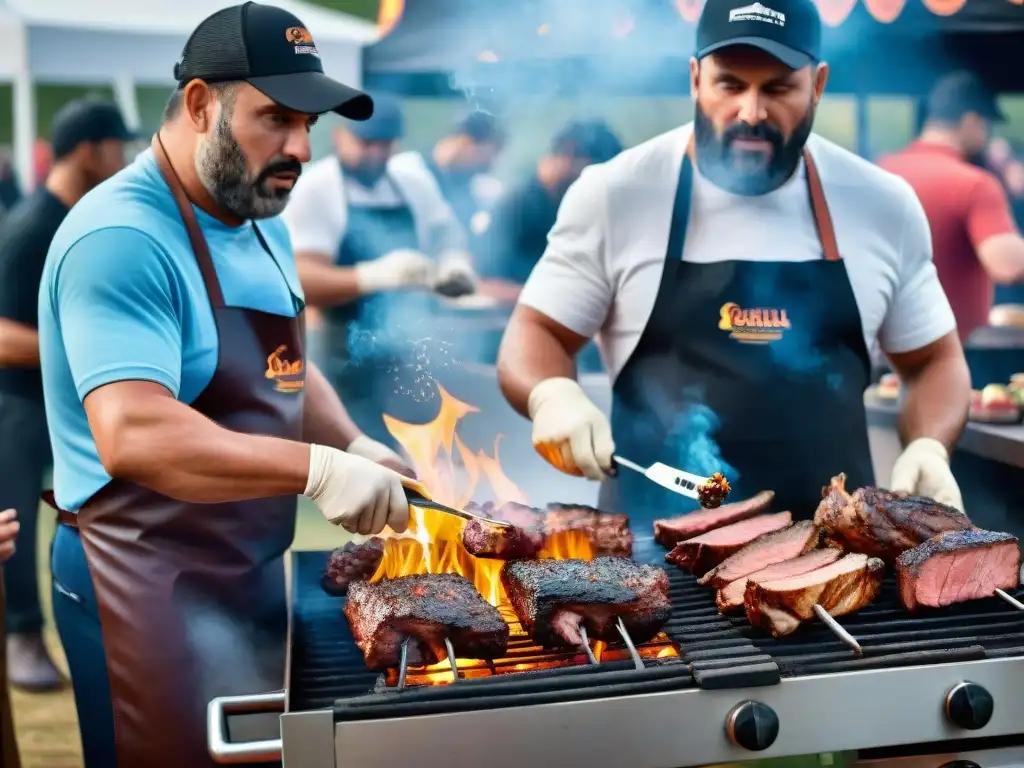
880, 523
352, 562
957, 566
671, 531
555, 598
702, 553
730, 597
427, 610
763, 551
845, 586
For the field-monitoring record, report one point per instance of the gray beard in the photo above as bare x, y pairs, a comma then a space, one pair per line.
223, 170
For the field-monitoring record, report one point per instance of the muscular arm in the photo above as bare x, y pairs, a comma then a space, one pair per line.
325, 420
19, 345
993, 232
145, 436
937, 391
324, 284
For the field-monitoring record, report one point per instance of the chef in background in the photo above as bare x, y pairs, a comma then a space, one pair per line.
373, 237
737, 270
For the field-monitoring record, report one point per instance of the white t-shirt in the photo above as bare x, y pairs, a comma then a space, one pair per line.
317, 214
606, 253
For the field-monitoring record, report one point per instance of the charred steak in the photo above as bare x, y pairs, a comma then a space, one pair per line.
608, 532
671, 531
957, 566
880, 523
765, 550
702, 553
730, 597
846, 586
552, 598
353, 562
425, 609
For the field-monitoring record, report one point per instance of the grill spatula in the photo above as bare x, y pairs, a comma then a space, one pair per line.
684, 483
418, 496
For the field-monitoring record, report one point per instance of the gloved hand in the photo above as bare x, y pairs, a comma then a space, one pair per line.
355, 493
402, 268
569, 431
923, 470
379, 453
9, 526
455, 275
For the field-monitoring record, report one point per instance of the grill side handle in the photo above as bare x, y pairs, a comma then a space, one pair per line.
225, 752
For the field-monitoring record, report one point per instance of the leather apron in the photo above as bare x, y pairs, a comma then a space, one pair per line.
191, 597
8, 738
753, 368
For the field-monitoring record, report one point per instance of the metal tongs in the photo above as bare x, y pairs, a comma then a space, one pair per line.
684, 483
418, 496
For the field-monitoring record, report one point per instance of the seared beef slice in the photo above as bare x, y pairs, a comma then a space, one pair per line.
957, 566
525, 539
763, 551
427, 609
608, 532
553, 597
702, 553
730, 597
846, 586
670, 532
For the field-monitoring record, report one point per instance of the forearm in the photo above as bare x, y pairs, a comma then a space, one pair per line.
446, 236
325, 420
19, 345
936, 400
326, 285
531, 352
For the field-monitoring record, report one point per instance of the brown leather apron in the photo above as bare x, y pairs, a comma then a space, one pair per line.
8, 739
192, 596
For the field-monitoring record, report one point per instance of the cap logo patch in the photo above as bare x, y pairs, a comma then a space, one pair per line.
758, 12
302, 40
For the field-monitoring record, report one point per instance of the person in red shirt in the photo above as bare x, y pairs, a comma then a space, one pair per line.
975, 240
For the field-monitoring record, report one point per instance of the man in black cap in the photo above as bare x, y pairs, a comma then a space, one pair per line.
88, 142
737, 272
184, 415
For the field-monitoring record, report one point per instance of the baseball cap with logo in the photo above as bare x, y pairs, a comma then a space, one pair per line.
271, 50
789, 30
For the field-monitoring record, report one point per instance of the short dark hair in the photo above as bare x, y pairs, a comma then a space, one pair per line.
958, 94
589, 140
225, 90
481, 127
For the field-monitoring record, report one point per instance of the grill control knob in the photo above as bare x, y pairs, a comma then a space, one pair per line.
752, 725
969, 706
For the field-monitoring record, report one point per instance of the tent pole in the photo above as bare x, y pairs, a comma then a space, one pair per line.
863, 125
24, 113
127, 100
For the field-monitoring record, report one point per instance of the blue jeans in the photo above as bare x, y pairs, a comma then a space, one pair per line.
78, 623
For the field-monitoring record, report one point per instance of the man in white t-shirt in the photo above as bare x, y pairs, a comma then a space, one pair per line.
736, 294
373, 237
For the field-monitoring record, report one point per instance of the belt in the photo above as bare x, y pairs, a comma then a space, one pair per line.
69, 519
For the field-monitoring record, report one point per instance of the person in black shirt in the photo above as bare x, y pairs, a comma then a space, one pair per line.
89, 146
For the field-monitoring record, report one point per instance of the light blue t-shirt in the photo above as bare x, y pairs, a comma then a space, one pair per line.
122, 298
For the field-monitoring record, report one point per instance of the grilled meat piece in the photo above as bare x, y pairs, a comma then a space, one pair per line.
763, 551
608, 532
845, 586
671, 531
880, 523
730, 597
552, 598
702, 553
426, 609
353, 562
957, 566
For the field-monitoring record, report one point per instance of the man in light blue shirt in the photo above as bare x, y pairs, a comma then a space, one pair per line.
184, 416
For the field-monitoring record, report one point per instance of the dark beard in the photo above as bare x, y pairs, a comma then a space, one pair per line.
732, 170
366, 173
224, 171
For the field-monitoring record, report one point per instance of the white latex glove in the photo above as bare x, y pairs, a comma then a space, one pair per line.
569, 431
379, 453
355, 493
455, 274
923, 470
403, 268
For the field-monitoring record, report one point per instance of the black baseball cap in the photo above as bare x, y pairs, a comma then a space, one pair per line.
589, 140
386, 123
789, 30
481, 127
273, 51
961, 92
87, 120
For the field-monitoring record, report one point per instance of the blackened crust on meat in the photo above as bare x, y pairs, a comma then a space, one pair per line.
483, 540
671, 531
352, 562
425, 608
596, 592
608, 532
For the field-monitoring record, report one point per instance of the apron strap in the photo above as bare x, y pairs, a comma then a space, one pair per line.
822, 218
188, 218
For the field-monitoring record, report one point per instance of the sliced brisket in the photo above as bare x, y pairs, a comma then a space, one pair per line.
670, 532
957, 566
763, 551
779, 606
552, 598
702, 553
730, 597
352, 562
425, 609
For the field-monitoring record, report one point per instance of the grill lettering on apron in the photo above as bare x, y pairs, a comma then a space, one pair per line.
763, 361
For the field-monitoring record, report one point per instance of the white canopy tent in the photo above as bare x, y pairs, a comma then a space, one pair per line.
125, 43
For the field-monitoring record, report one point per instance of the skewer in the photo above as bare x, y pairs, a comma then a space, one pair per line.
403, 664
586, 646
1010, 599
837, 629
637, 661
451, 660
